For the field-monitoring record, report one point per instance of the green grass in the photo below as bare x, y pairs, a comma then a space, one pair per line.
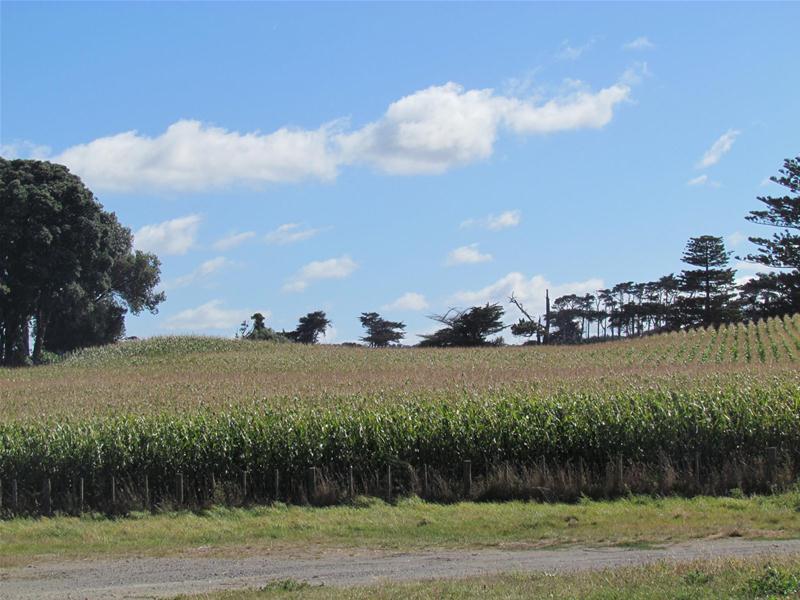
410, 524
751, 579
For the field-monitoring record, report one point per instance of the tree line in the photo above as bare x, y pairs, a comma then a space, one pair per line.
69, 275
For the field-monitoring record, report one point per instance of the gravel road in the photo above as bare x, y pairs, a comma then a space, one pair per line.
167, 577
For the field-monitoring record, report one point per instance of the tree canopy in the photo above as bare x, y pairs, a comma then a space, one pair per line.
470, 327
380, 332
67, 267
309, 328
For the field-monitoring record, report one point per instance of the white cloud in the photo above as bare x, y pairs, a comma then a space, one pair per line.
718, 149
170, 237
569, 52
735, 238
330, 336
289, 233
446, 126
24, 149
640, 43
467, 255
333, 268
426, 132
531, 292
703, 180
191, 155
210, 315
233, 240
206, 269
408, 301
509, 218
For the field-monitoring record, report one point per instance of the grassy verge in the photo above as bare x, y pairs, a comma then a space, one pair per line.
410, 524
733, 579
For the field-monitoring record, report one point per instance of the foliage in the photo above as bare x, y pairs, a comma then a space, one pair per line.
380, 332
64, 261
309, 328
466, 328
710, 287
259, 331
775, 582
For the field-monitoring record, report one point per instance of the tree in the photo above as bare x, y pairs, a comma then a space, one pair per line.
64, 262
782, 250
309, 328
469, 327
526, 327
380, 332
711, 286
259, 330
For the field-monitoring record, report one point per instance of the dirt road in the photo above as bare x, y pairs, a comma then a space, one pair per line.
166, 577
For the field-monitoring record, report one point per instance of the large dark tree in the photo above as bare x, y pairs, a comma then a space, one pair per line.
309, 328
259, 330
710, 287
782, 250
470, 327
65, 263
380, 332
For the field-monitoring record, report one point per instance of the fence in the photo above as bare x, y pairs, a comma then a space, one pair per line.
120, 493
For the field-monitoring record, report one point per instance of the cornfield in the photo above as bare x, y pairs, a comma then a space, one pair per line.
133, 412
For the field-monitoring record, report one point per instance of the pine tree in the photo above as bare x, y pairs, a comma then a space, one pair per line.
380, 332
710, 287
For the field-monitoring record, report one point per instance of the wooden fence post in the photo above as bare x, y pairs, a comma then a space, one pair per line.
580, 474
48, 490
425, 488
146, 492
277, 475
467, 478
14, 494
179, 490
697, 479
389, 480
351, 483
80, 495
113, 492
244, 486
772, 464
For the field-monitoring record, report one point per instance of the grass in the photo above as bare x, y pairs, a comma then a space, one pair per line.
751, 579
411, 524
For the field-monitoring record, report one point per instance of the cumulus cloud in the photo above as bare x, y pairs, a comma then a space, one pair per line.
408, 301
426, 132
210, 315
205, 270
191, 155
466, 255
509, 218
640, 43
530, 291
169, 237
233, 240
718, 149
333, 268
289, 233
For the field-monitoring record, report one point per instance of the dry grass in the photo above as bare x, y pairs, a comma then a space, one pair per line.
187, 373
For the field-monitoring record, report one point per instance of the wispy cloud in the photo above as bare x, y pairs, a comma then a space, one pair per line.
640, 43
233, 240
24, 149
332, 268
703, 180
735, 238
466, 255
202, 272
509, 218
176, 236
569, 52
290, 233
210, 315
408, 301
718, 149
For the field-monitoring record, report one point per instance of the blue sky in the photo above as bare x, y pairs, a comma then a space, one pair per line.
403, 158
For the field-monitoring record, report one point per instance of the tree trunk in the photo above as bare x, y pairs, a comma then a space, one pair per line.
38, 343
